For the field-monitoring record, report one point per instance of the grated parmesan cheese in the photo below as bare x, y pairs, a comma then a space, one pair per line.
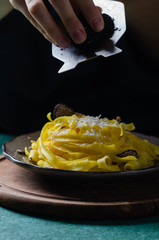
95, 121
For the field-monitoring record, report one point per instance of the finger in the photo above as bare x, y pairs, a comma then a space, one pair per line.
39, 12
99, 8
92, 14
21, 6
71, 22
76, 8
37, 26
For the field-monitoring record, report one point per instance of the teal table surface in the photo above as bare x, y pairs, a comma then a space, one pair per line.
18, 226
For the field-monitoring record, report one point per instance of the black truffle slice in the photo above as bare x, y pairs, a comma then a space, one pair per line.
95, 37
128, 153
62, 110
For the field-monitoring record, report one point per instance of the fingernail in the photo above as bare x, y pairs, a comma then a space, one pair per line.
79, 36
97, 25
63, 42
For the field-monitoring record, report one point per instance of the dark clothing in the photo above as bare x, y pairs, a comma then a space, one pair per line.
125, 84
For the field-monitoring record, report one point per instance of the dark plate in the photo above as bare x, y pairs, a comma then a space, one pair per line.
19, 143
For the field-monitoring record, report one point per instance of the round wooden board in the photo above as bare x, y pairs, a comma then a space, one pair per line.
27, 192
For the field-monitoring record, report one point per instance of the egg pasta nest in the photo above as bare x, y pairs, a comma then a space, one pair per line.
86, 143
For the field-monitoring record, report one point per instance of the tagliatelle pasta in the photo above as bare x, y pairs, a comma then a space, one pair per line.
85, 143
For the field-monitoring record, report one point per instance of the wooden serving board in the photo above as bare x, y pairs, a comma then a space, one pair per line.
27, 192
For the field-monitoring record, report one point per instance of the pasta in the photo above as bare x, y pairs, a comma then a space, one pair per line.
86, 143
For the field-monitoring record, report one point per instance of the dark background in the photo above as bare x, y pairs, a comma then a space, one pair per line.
125, 84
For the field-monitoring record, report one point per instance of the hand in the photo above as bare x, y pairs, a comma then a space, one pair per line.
36, 12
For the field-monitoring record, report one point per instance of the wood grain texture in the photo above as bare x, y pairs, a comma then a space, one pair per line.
27, 192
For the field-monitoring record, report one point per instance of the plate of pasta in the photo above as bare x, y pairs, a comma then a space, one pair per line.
85, 147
